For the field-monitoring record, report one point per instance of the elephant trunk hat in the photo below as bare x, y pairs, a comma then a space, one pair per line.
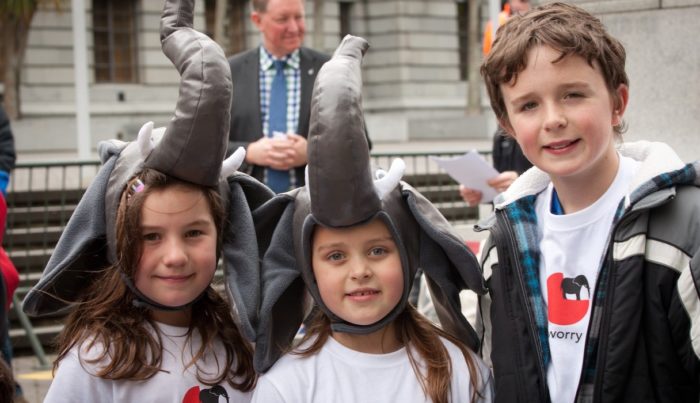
191, 148
341, 192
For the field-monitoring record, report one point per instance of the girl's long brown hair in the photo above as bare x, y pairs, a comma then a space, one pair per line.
106, 317
416, 333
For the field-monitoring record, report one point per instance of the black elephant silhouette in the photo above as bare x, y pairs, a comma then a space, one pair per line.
574, 285
212, 395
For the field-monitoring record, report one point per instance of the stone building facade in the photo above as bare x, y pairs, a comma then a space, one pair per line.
414, 84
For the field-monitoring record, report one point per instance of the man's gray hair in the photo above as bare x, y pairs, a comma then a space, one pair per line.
259, 5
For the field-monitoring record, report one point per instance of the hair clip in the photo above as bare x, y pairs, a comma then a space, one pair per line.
137, 186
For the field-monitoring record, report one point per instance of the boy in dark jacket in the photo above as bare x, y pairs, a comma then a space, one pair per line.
592, 263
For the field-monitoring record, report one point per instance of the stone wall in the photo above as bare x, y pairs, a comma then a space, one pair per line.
117, 110
412, 86
663, 64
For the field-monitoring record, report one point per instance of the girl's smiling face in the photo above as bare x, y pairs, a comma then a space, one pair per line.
179, 248
358, 271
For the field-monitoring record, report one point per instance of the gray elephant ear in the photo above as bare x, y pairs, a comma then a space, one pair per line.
240, 250
448, 264
110, 148
339, 176
195, 140
282, 307
81, 252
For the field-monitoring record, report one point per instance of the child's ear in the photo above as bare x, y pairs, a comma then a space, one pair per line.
620, 99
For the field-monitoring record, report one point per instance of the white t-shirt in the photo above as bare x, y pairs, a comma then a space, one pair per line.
338, 374
75, 383
572, 247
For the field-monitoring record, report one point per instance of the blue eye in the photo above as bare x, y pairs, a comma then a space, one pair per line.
335, 256
378, 251
528, 106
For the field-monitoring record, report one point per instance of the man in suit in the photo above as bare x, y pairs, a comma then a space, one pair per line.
274, 152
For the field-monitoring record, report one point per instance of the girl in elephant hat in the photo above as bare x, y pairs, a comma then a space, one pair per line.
138, 256
354, 244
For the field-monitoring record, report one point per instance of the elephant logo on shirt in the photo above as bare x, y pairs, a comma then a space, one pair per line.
562, 310
216, 394
574, 286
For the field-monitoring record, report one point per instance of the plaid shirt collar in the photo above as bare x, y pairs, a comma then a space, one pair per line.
293, 59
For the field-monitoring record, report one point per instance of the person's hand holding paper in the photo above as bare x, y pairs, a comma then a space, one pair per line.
472, 171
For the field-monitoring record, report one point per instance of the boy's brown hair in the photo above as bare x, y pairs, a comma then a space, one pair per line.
564, 27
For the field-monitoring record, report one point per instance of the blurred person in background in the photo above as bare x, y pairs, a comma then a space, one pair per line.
508, 158
271, 98
10, 277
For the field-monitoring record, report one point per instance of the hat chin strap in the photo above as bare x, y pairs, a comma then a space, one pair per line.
142, 301
338, 324
342, 326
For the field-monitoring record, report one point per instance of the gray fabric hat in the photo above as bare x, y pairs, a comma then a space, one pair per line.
191, 148
340, 191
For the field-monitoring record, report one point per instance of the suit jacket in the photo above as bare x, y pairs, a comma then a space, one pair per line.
246, 122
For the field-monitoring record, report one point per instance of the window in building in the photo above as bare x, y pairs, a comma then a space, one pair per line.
236, 30
2, 64
344, 14
226, 23
210, 17
115, 48
463, 36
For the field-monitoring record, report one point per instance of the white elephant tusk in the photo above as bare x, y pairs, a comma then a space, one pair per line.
144, 140
387, 182
232, 163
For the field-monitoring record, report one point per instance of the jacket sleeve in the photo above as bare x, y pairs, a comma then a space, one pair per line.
246, 124
682, 213
7, 150
489, 258
689, 292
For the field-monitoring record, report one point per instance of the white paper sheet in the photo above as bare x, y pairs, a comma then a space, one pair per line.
472, 171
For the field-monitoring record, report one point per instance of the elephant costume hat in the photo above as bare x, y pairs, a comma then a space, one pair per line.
192, 149
340, 192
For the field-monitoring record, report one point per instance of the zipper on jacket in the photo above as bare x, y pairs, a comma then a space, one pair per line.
510, 238
605, 320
